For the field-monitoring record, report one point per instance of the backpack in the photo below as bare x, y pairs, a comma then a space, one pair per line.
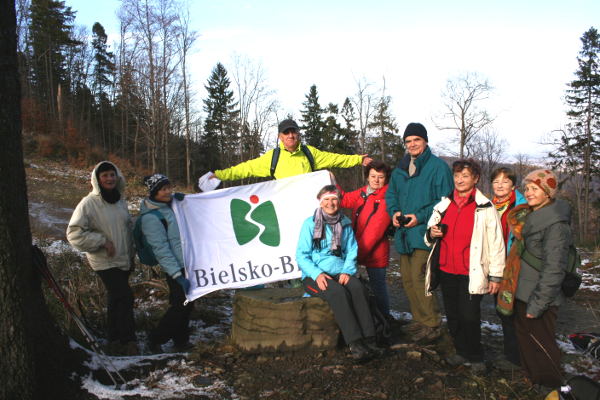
142, 247
572, 279
277, 151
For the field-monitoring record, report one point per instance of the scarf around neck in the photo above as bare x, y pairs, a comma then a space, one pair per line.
335, 222
110, 196
508, 287
503, 207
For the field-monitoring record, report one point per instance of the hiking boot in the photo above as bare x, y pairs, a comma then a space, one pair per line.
358, 351
154, 347
504, 365
371, 345
478, 368
183, 347
130, 349
427, 334
456, 360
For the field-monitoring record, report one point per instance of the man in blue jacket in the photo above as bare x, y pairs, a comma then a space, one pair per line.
417, 184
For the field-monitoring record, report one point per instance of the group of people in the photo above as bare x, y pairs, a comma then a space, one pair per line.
102, 228
447, 232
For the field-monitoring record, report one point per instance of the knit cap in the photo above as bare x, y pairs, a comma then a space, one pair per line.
545, 179
155, 183
415, 129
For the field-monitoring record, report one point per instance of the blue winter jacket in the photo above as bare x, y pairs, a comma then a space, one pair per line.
165, 243
417, 195
313, 262
519, 199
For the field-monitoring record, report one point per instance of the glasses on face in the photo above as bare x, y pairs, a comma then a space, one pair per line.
290, 130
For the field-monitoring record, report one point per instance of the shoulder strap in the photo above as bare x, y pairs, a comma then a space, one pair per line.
573, 260
274, 160
308, 154
161, 218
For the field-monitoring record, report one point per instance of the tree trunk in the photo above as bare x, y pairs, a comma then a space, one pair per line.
35, 355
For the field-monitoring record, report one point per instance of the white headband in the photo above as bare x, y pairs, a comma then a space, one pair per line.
328, 195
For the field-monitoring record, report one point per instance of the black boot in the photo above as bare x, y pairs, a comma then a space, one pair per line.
371, 345
358, 351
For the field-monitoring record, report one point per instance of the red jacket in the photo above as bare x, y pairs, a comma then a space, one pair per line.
370, 222
455, 248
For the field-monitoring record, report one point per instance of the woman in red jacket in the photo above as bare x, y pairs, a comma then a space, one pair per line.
370, 222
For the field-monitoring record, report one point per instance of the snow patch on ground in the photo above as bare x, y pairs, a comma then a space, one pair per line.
590, 281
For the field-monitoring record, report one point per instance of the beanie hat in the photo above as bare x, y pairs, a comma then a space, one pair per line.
155, 183
545, 179
415, 129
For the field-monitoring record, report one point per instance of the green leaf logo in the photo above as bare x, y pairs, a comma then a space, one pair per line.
246, 229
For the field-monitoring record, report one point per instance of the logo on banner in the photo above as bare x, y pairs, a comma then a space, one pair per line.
247, 223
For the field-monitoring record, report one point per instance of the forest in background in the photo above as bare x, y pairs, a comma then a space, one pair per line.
84, 101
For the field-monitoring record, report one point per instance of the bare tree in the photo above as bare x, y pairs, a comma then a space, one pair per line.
462, 100
256, 104
489, 149
185, 41
522, 165
364, 104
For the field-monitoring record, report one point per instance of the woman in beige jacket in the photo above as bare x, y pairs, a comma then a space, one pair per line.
101, 227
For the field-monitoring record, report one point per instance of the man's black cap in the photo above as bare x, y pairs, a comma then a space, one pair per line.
287, 124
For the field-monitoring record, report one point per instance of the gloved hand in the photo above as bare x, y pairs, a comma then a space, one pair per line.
178, 196
185, 284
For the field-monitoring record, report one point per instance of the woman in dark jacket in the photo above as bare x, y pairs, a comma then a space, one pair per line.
542, 228
370, 222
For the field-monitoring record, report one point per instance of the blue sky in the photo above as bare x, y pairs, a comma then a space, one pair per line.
526, 49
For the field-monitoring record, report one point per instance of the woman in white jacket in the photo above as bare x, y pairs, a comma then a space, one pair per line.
467, 260
101, 227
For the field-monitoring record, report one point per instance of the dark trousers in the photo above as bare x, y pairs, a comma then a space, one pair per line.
509, 336
175, 323
349, 304
119, 300
379, 287
540, 355
463, 314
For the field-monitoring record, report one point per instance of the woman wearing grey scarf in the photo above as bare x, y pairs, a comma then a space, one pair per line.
326, 255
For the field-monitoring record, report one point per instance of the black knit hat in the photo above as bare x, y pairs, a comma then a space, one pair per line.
155, 183
415, 129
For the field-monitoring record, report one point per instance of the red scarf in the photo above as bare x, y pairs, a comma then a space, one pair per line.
503, 207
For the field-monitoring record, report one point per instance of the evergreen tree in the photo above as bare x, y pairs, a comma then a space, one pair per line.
385, 142
219, 139
348, 135
50, 34
331, 130
583, 99
312, 118
104, 69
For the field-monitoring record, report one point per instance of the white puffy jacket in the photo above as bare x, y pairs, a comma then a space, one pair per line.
487, 257
95, 221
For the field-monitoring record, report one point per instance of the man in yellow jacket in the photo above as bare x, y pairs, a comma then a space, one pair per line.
292, 160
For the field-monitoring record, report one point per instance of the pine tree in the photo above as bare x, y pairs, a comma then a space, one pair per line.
50, 34
348, 135
219, 140
583, 98
104, 69
385, 142
312, 118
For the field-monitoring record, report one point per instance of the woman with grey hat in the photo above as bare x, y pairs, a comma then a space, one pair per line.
101, 227
161, 231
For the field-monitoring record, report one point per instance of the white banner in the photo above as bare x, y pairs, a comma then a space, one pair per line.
246, 235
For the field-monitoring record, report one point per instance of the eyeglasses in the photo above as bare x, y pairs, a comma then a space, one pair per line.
290, 130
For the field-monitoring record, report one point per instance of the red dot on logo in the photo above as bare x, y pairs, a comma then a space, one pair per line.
254, 199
